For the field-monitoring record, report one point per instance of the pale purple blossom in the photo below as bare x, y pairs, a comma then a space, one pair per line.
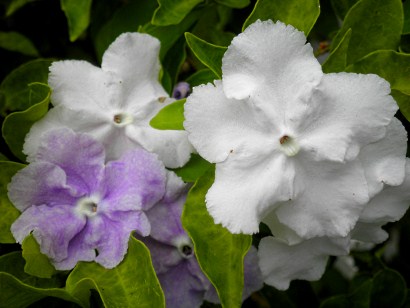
80, 208
181, 90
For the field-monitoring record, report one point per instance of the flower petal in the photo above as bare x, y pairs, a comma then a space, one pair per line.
351, 111
134, 57
53, 228
219, 126
135, 182
79, 85
281, 263
42, 183
270, 55
244, 191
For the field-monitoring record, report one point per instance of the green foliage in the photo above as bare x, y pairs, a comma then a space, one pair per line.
193, 169
8, 213
209, 54
300, 14
78, 16
14, 5
16, 125
406, 24
15, 41
238, 4
213, 242
201, 77
132, 283
15, 91
170, 117
171, 12
381, 29
341, 7
337, 60
37, 264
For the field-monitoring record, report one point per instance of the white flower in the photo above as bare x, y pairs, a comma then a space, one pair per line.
114, 103
285, 137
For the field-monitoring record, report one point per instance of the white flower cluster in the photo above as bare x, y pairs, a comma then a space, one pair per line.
319, 158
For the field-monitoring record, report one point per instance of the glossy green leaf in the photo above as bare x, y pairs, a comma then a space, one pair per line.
406, 24
78, 16
391, 65
132, 283
172, 12
337, 60
219, 253
17, 124
300, 14
380, 29
15, 41
8, 213
209, 54
389, 289
37, 264
201, 77
19, 289
170, 117
173, 61
341, 7
403, 101
127, 18
15, 90
237, 4
169, 35
194, 168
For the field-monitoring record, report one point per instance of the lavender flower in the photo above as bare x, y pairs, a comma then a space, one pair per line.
80, 209
181, 90
173, 257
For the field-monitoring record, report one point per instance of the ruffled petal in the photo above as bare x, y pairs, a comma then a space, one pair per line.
219, 127
270, 55
135, 182
79, 85
333, 197
281, 263
245, 191
350, 111
52, 227
134, 58
42, 183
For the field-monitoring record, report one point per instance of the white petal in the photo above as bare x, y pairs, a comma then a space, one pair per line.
333, 197
270, 55
134, 57
369, 232
351, 111
244, 191
219, 126
384, 161
281, 231
80, 85
281, 263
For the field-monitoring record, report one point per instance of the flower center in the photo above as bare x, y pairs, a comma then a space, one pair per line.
185, 247
122, 119
87, 207
288, 145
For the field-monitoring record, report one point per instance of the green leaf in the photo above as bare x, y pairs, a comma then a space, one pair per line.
15, 41
336, 61
174, 60
341, 7
18, 124
172, 12
406, 24
403, 101
8, 213
237, 4
391, 65
3, 157
219, 253
132, 283
15, 90
389, 289
37, 264
194, 168
170, 117
78, 16
201, 77
14, 5
300, 14
209, 54
19, 289
380, 29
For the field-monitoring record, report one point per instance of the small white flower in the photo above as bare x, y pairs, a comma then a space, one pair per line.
114, 103
285, 137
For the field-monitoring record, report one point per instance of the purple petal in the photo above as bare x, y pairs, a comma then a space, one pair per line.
79, 155
41, 183
53, 228
181, 90
136, 181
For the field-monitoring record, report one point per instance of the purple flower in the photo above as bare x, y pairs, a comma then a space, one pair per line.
78, 207
183, 282
181, 90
